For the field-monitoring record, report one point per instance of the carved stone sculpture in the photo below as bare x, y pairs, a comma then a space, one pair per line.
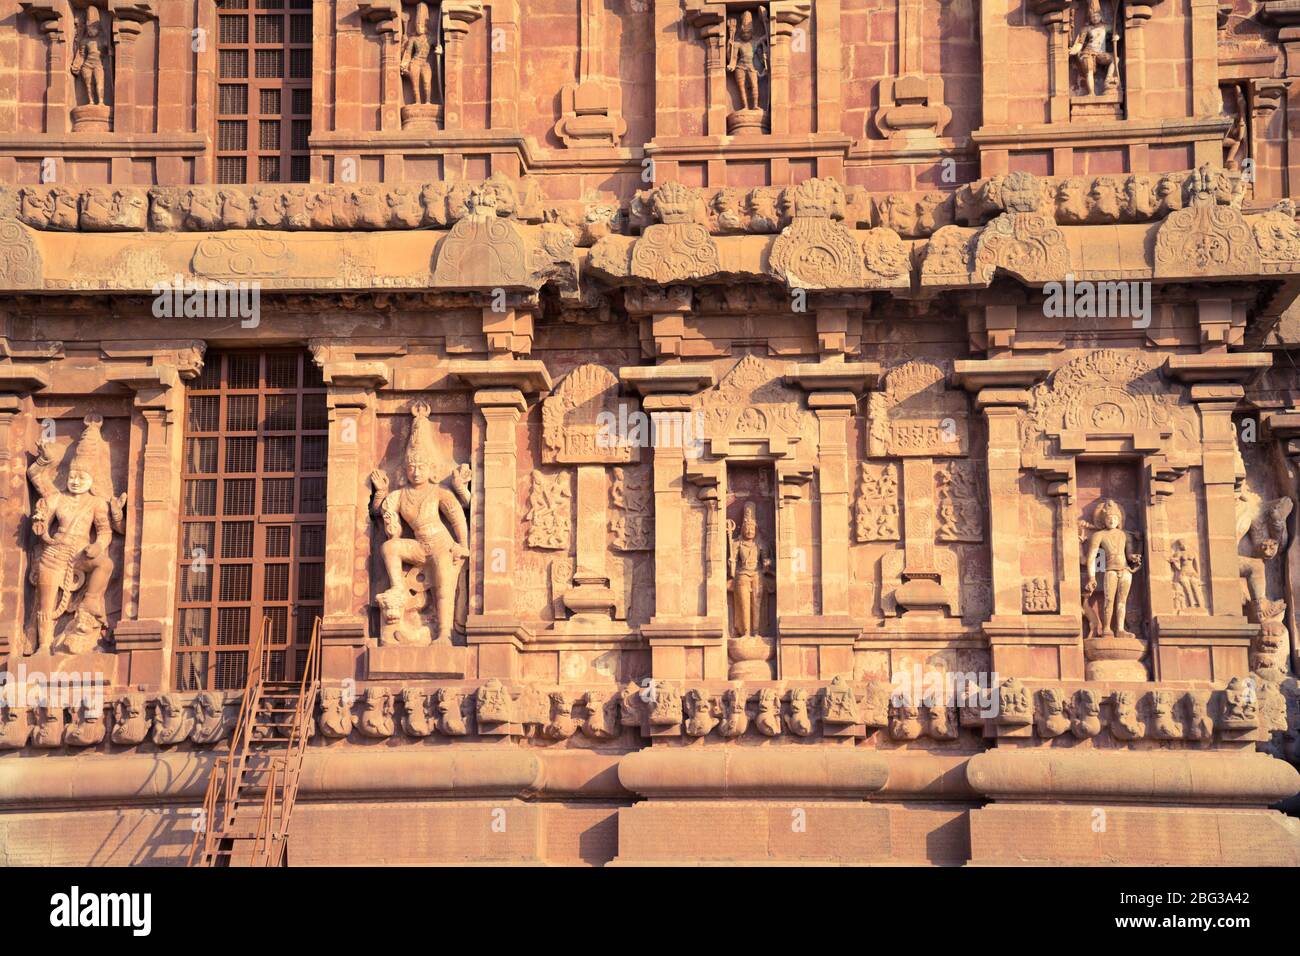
376, 719
15, 725
130, 721
1109, 551
1189, 597
1096, 48
415, 712
74, 527
749, 558
746, 62
438, 548
172, 721
86, 728
421, 65
336, 718
210, 723
91, 65
700, 719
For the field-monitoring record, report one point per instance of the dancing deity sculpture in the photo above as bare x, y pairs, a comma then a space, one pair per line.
423, 505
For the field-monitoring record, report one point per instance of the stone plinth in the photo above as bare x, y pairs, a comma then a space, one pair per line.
404, 660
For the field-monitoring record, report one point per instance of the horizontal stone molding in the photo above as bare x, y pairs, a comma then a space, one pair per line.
735, 772
1247, 780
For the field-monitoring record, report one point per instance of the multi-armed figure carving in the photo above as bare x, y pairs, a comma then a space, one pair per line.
89, 58
748, 560
1119, 561
1096, 47
75, 527
1261, 530
423, 505
422, 55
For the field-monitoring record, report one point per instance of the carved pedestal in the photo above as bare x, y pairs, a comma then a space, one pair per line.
91, 119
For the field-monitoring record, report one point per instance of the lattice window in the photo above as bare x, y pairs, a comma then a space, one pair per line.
252, 534
263, 90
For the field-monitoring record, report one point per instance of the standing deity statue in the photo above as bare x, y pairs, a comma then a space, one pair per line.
422, 54
1119, 562
423, 505
747, 55
1096, 47
748, 561
74, 528
89, 58
1234, 140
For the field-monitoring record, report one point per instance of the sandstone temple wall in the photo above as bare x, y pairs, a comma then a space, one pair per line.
906, 447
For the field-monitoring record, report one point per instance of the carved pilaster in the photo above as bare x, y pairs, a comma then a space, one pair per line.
55, 22
457, 17
386, 15
153, 510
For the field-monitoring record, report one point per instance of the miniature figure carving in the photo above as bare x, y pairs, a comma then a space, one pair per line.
1240, 705
599, 715
1096, 47
49, 726
1164, 722
130, 723
735, 721
560, 725
748, 561
451, 712
1119, 562
423, 505
1200, 725
768, 719
415, 712
1038, 596
839, 703
376, 718
336, 718
493, 703
1084, 711
1014, 707
1050, 721
746, 56
87, 725
699, 713
15, 726
210, 724
171, 720
800, 719
1188, 595
75, 527
875, 704
904, 719
1125, 724
939, 720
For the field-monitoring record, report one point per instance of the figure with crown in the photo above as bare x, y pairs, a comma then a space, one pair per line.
74, 527
1096, 47
436, 516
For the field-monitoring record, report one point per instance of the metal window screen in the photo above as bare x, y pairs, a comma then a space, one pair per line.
264, 56
252, 534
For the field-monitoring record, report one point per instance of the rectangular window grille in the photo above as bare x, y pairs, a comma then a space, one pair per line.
264, 59
252, 533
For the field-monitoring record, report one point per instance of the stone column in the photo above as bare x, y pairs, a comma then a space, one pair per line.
128, 22
350, 402
667, 392
784, 17
711, 23
834, 388
1024, 645
50, 16
1056, 18
152, 515
16, 382
457, 15
501, 389
386, 15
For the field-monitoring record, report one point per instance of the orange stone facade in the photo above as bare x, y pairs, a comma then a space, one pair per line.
807, 431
